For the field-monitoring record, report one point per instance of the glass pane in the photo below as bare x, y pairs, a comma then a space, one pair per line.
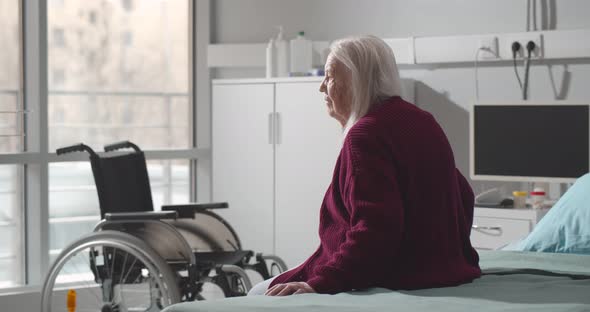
118, 70
10, 94
73, 201
11, 226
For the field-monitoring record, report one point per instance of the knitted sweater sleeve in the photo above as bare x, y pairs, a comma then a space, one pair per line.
372, 198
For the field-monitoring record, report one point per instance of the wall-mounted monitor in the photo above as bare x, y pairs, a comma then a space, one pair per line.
527, 141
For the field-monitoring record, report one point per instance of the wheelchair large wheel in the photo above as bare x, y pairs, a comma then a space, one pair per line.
109, 271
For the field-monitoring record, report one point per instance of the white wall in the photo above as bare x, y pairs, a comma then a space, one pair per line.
447, 91
241, 21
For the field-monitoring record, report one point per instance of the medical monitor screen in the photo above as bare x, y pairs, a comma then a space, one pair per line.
549, 141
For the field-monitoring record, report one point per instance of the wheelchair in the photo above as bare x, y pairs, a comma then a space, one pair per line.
138, 259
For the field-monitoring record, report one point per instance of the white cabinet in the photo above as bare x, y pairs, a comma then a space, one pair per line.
308, 144
242, 160
274, 150
494, 228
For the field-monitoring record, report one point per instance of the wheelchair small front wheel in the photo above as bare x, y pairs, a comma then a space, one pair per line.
109, 271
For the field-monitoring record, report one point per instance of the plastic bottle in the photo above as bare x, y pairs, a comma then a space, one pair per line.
271, 59
301, 55
282, 54
538, 198
519, 199
71, 300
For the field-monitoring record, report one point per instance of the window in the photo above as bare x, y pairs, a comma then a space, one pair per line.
59, 37
127, 5
116, 70
58, 77
58, 3
11, 141
132, 70
10, 93
127, 39
11, 240
121, 92
92, 17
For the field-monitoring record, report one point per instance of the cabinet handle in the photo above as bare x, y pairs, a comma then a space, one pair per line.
278, 133
491, 228
270, 128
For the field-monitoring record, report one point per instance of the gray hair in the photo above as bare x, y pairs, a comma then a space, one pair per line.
374, 72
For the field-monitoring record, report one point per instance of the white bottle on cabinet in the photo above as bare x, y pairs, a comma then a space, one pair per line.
301, 55
282, 49
271, 59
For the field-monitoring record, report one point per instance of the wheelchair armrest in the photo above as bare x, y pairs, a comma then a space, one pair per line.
147, 215
189, 210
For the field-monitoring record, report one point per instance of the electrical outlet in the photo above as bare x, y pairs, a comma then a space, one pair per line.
489, 44
522, 38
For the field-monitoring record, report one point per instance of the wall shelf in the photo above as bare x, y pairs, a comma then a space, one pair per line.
556, 44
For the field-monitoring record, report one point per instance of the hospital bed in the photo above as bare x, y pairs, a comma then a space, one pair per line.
549, 270
512, 281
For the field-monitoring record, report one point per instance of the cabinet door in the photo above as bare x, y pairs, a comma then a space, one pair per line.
308, 143
243, 161
493, 233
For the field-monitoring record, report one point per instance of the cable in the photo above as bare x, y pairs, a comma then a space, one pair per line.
530, 47
534, 15
476, 75
527, 65
515, 49
528, 15
531, 14
487, 49
561, 93
516, 72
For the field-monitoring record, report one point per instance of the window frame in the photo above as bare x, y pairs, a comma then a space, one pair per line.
36, 157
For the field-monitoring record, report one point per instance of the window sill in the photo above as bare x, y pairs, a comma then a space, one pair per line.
19, 290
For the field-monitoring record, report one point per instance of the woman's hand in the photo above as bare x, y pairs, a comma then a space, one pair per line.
293, 288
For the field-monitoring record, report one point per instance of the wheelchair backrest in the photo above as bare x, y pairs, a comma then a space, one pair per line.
122, 183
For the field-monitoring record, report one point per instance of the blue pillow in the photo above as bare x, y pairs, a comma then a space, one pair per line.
566, 227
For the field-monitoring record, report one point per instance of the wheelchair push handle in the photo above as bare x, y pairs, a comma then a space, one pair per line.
121, 145
81, 147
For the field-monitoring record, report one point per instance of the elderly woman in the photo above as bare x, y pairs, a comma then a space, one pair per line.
398, 213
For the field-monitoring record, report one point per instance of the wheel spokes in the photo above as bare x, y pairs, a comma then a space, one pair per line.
108, 283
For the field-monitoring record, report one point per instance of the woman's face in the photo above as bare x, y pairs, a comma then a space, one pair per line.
336, 86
